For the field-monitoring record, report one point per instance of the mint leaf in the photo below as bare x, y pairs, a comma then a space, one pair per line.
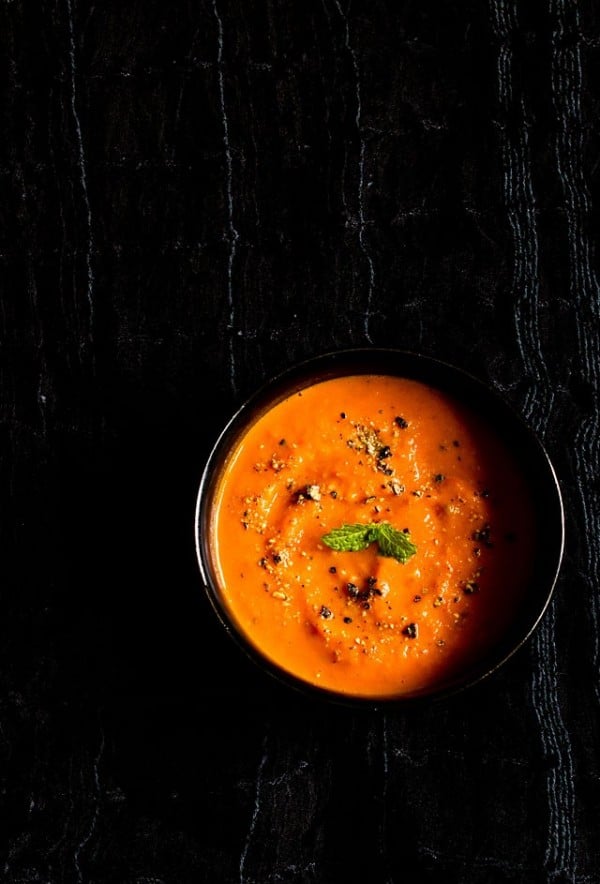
393, 543
349, 538
355, 538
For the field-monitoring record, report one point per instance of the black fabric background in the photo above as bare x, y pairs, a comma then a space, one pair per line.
195, 195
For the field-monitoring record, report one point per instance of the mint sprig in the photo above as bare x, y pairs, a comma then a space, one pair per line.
349, 538
355, 538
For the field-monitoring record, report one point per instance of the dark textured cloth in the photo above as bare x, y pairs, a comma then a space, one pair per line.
195, 196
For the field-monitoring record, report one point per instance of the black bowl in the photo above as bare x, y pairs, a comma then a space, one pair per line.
503, 421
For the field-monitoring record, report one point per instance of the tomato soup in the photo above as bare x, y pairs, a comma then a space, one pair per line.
302, 514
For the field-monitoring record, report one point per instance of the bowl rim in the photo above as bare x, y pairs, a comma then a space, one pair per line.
303, 374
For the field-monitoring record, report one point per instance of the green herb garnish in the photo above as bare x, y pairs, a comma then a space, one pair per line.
350, 538
353, 538
393, 543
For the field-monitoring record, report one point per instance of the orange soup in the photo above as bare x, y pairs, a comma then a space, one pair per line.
371, 536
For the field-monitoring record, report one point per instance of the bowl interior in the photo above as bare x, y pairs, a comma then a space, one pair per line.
502, 420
